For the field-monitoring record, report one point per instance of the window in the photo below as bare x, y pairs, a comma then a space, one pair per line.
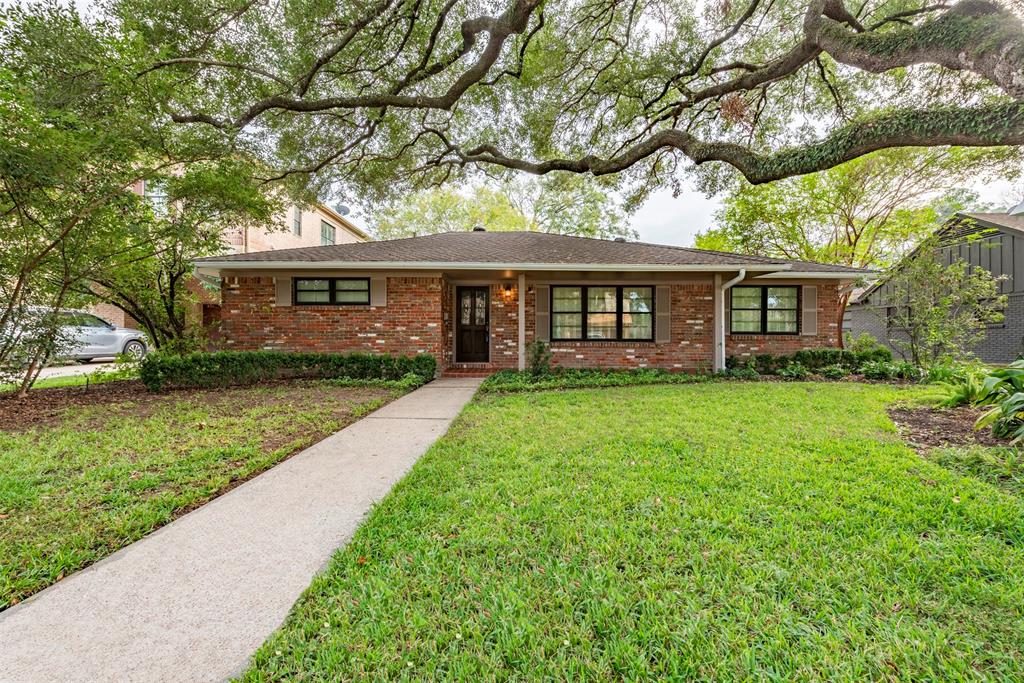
765, 310
326, 233
333, 291
297, 220
602, 313
156, 195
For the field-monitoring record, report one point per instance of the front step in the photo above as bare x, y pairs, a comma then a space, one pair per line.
470, 370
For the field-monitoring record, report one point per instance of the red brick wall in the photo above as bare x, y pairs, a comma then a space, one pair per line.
411, 322
748, 345
691, 346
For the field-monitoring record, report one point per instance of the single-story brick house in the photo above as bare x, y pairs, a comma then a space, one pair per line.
476, 299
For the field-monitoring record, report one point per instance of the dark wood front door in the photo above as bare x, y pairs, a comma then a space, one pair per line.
471, 335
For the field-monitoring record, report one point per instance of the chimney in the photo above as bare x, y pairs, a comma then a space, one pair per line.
479, 228
620, 239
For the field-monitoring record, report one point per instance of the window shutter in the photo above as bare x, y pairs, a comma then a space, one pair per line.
663, 314
728, 311
282, 291
378, 291
542, 306
809, 324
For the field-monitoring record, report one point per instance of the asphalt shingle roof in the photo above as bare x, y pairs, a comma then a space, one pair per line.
511, 248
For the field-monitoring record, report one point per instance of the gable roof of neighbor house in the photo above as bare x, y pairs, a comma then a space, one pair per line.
517, 250
957, 229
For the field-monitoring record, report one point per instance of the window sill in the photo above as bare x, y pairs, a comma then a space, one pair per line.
589, 343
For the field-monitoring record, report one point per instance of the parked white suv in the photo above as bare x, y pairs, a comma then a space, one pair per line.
94, 337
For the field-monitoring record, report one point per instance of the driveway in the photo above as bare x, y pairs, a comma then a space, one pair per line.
78, 369
192, 601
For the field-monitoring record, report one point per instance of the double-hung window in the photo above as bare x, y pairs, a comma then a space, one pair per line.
296, 220
326, 233
765, 310
602, 313
333, 291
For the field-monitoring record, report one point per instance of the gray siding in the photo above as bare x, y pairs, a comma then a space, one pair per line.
1000, 253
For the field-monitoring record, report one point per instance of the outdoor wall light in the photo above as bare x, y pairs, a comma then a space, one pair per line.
507, 291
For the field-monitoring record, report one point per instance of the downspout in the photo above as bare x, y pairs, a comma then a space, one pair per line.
720, 317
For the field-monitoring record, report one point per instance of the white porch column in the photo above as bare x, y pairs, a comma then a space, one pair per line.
719, 324
522, 320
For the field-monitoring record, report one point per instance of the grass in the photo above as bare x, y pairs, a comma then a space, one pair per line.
106, 475
771, 531
100, 377
1001, 467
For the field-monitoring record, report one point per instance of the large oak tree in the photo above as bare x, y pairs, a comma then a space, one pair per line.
374, 92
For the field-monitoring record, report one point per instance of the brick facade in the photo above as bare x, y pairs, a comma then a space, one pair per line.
411, 323
420, 318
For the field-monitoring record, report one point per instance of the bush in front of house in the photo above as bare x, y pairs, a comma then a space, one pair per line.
813, 360
582, 378
225, 368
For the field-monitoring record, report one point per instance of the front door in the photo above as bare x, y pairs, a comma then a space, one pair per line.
471, 336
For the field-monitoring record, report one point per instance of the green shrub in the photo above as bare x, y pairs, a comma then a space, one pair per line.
906, 370
836, 371
865, 342
744, 372
813, 360
877, 369
538, 358
948, 370
580, 378
793, 371
408, 381
224, 368
964, 392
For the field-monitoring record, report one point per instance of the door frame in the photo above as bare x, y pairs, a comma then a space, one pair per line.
457, 321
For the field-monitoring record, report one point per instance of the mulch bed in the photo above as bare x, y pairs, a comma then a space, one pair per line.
926, 428
48, 407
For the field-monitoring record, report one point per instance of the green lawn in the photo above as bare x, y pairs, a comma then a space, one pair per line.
773, 531
102, 476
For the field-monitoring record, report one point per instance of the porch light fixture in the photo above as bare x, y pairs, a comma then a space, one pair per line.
506, 291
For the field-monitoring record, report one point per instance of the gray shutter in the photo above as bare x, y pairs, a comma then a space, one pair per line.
809, 324
728, 311
663, 314
378, 291
283, 291
542, 307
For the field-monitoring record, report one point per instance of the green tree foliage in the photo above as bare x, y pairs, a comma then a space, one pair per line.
866, 213
80, 133
563, 204
383, 95
940, 311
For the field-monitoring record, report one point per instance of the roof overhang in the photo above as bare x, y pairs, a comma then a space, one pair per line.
213, 267
813, 275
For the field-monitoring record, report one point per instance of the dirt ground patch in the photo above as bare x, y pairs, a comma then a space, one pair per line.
50, 407
926, 428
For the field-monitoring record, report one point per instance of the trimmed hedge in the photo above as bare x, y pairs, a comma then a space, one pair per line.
225, 368
813, 360
582, 378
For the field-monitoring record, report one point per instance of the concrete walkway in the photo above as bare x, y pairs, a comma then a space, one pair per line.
192, 601
70, 370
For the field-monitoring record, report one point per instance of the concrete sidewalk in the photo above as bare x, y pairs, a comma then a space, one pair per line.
192, 601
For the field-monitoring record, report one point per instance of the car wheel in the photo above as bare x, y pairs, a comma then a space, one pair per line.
135, 349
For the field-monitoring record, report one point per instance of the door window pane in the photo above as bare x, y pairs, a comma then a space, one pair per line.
481, 307
465, 307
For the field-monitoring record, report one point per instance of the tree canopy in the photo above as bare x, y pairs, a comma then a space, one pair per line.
382, 92
866, 213
567, 205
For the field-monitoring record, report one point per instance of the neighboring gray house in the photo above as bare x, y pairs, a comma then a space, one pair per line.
997, 246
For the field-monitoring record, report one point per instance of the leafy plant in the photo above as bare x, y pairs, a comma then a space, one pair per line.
835, 371
862, 343
509, 381
222, 368
794, 371
968, 391
1004, 391
877, 369
907, 370
538, 358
